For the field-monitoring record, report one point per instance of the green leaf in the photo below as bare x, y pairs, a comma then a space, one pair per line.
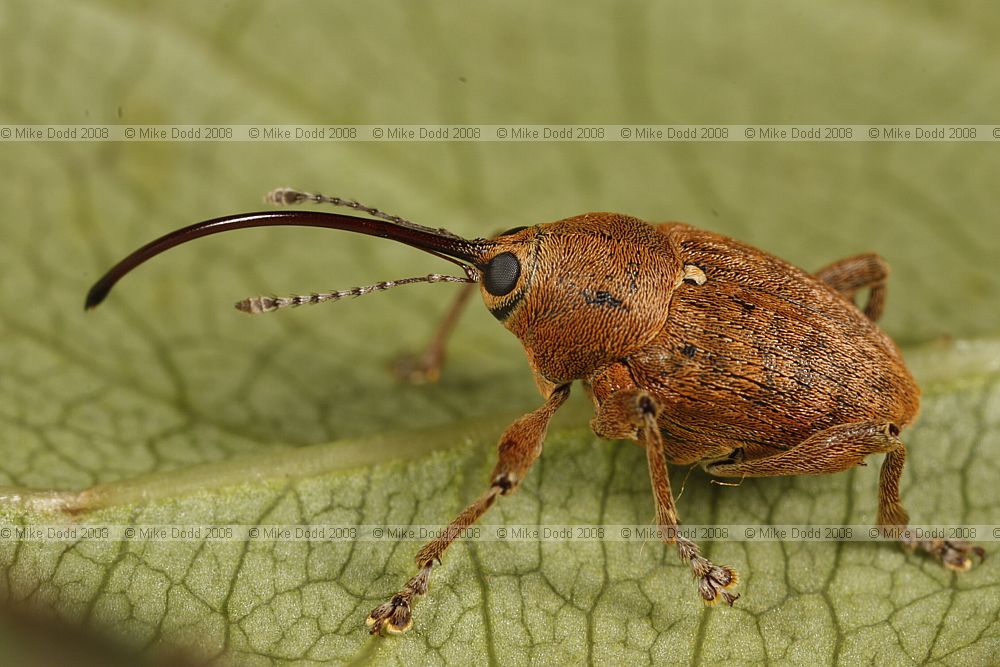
166, 406
610, 602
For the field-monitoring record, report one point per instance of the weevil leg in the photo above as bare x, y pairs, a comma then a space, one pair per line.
631, 413
519, 447
953, 554
426, 366
832, 450
840, 448
851, 274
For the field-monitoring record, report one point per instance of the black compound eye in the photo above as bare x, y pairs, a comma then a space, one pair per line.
501, 274
512, 230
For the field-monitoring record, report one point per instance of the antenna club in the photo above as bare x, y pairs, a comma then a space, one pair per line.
285, 197
257, 304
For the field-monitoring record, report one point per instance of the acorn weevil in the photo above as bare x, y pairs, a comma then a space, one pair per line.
699, 348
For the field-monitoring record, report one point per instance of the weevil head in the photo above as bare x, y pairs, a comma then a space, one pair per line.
582, 292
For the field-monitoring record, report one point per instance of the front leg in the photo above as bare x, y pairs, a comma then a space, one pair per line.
631, 413
517, 451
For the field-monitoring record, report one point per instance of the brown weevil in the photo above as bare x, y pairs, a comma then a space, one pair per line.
699, 348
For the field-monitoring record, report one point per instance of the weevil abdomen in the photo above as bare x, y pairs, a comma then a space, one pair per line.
762, 354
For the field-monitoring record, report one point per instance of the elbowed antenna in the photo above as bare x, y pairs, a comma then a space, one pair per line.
266, 304
438, 242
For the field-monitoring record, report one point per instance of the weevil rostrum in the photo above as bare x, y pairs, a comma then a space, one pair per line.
701, 349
